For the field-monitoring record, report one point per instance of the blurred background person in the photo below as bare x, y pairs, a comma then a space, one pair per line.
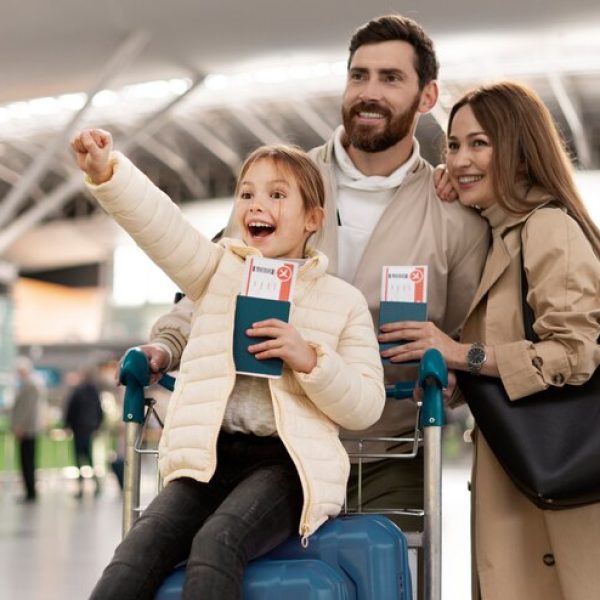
83, 416
26, 421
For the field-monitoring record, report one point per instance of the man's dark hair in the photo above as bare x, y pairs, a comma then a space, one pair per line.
393, 28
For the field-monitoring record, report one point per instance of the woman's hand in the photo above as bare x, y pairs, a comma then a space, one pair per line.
419, 336
92, 149
443, 187
286, 343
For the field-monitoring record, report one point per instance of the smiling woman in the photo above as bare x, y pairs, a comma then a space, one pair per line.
505, 155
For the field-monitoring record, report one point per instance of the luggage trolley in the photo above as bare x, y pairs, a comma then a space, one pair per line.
327, 576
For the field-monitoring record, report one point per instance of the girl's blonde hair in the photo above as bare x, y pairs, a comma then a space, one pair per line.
295, 162
527, 151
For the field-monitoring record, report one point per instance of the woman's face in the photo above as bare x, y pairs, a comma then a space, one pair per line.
468, 160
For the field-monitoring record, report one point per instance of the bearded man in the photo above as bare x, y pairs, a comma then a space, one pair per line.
381, 209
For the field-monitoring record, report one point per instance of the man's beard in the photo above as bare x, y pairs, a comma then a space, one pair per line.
363, 137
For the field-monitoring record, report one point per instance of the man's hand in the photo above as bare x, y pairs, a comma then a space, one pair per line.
158, 361
447, 391
443, 187
419, 336
286, 344
92, 149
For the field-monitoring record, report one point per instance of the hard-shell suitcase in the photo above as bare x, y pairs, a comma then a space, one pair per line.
306, 579
369, 551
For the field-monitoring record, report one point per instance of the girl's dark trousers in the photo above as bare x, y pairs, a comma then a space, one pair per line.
252, 503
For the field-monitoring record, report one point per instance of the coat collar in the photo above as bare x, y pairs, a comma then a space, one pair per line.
506, 239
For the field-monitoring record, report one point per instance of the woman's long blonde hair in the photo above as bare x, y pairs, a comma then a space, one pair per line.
527, 151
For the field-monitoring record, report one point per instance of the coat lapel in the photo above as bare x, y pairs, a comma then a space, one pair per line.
497, 262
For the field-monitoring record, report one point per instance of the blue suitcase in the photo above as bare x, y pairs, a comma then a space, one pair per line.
369, 551
275, 579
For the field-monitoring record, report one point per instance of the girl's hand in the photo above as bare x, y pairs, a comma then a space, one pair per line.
421, 335
92, 149
158, 363
286, 343
443, 187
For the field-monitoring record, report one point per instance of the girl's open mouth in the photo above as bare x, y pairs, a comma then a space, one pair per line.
259, 229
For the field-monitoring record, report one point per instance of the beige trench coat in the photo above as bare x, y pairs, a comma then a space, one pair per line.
521, 552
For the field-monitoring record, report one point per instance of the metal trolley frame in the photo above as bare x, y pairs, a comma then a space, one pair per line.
138, 411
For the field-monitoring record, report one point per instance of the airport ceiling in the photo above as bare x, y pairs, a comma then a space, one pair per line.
230, 75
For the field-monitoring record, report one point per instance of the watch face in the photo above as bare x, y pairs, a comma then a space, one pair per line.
476, 355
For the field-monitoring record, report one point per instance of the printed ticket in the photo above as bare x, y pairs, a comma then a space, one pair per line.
269, 278
404, 284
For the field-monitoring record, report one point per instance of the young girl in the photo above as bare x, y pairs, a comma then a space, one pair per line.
248, 461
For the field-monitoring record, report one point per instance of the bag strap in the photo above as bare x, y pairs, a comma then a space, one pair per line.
528, 314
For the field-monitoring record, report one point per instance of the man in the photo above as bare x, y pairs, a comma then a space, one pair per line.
26, 423
83, 416
382, 209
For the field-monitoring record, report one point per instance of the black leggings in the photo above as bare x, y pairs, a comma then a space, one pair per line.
252, 503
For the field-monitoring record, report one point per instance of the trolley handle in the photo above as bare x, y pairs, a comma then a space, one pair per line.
135, 376
433, 378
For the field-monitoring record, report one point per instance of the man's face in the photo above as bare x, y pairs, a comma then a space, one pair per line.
382, 96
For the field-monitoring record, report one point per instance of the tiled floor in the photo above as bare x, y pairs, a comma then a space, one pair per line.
57, 548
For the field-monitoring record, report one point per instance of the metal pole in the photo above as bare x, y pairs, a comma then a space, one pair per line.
131, 476
433, 378
432, 542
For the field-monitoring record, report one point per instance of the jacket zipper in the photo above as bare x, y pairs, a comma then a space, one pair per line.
304, 526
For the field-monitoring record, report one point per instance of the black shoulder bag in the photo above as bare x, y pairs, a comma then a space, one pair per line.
548, 443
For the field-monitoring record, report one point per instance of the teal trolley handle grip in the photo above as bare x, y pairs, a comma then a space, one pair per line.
433, 378
135, 376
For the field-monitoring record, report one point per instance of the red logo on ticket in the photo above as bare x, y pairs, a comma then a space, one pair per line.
284, 273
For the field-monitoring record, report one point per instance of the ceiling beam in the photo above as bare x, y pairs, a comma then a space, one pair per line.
130, 48
12, 178
254, 125
61, 194
175, 162
206, 138
572, 113
312, 118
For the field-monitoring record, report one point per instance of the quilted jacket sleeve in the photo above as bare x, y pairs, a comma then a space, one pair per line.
158, 227
173, 329
347, 383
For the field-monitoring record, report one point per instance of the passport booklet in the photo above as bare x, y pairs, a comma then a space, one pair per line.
266, 292
403, 297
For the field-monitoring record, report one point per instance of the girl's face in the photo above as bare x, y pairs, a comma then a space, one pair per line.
468, 160
270, 213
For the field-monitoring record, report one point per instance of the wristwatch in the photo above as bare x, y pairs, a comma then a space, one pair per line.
476, 358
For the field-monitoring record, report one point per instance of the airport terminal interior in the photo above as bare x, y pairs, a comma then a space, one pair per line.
187, 89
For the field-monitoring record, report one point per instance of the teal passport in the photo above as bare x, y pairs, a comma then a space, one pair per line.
249, 310
393, 311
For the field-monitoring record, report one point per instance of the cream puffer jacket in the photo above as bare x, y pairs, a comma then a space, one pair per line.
344, 389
